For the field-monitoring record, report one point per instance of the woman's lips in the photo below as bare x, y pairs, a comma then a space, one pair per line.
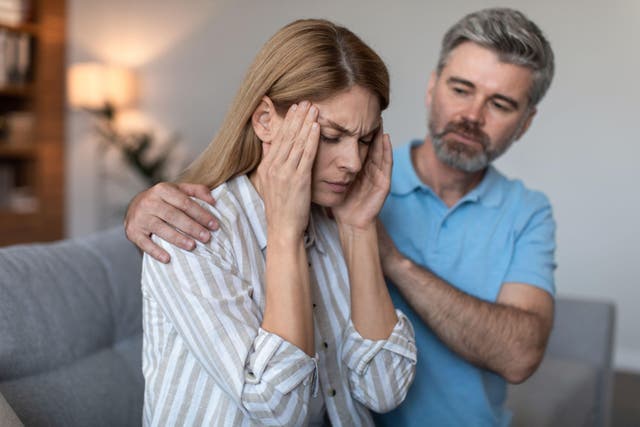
338, 187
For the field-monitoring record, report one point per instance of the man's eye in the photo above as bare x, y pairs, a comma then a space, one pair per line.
460, 91
324, 138
366, 141
500, 106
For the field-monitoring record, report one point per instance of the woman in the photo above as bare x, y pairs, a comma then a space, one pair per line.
283, 318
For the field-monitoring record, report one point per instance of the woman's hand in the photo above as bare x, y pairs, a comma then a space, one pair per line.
284, 175
369, 191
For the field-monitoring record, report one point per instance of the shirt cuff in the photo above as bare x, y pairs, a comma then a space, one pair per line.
281, 364
360, 351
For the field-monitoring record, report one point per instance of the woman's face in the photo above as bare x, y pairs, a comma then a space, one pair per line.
348, 124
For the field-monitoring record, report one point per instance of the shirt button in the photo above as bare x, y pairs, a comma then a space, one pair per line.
325, 345
314, 305
332, 392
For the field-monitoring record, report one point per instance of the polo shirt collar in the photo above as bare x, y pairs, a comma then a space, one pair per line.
489, 192
405, 180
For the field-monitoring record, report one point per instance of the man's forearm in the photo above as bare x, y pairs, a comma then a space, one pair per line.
505, 339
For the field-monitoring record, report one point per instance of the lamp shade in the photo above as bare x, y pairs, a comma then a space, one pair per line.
93, 85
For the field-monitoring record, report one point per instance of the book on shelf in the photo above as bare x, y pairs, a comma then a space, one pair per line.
15, 58
15, 12
14, 197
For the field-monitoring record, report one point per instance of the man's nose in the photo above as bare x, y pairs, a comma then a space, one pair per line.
475, 111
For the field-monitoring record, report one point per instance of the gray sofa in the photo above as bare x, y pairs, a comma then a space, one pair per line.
70, 343
71, 332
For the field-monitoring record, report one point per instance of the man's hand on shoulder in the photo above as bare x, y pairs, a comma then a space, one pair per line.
165, 208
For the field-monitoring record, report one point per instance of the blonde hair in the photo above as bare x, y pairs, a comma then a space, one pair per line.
309, 59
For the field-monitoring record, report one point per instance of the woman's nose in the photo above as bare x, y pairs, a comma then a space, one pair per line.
349, 156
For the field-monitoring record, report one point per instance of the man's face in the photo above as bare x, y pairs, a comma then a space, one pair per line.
478, 107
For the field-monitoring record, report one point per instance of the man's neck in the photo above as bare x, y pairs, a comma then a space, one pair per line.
448, 183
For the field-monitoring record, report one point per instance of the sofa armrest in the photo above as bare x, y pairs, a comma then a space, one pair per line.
573, 385
8, 418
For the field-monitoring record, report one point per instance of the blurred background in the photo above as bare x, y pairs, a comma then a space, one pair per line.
188, 57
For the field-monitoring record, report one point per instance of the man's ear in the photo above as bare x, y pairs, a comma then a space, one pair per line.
265, 120
428, 96
527, 123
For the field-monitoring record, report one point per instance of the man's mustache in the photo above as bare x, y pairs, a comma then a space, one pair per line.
468, 129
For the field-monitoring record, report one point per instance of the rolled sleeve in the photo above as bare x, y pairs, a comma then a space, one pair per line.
380, 372
280, 364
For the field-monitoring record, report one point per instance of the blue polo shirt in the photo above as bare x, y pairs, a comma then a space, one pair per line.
499, 232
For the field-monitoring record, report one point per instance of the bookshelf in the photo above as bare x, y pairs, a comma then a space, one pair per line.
32, 127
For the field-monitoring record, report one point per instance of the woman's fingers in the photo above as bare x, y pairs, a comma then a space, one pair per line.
377, 149
387, 156
278, 144
310, 148
303, 138
291, 130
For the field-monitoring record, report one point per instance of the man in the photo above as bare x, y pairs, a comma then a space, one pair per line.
472, 255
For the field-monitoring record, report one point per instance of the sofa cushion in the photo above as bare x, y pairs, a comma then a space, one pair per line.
102, 389
70, 331
562, 392
63, 301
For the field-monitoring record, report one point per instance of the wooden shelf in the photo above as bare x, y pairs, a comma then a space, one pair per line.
15, 151
37, 167
7, 215
28, 28
17, 90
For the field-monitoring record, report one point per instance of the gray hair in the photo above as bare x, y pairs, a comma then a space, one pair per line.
514, 38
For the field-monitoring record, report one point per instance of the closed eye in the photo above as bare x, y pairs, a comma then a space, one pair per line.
324, 138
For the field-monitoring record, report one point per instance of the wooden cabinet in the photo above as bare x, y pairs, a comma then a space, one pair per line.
32, 168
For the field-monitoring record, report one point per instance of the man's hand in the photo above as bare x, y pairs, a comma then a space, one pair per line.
164, 208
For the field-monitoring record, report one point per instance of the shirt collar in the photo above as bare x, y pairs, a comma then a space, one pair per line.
254, 208
489, 192
405, 180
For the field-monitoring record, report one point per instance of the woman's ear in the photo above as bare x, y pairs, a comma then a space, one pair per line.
265, 120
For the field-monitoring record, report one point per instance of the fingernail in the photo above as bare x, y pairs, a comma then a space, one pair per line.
190, 245
304, 104
164, 259
314, 125
212, 225
204, 236
313, 109
294, 107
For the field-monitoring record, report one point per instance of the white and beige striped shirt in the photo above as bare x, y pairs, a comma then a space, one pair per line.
206, 361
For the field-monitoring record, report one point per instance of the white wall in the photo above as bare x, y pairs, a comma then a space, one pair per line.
581, 150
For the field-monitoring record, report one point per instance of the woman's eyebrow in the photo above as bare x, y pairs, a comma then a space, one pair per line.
342, 129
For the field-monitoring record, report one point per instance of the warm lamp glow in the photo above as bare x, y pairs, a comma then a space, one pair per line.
92, 85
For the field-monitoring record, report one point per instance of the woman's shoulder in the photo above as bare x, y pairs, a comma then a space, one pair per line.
238, 209
232, 199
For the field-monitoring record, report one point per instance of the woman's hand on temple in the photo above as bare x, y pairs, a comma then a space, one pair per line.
284, 175
369, 191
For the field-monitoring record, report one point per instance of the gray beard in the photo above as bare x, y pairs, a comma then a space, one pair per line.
459, 157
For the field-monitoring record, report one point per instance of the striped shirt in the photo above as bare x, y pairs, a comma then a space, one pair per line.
206, 360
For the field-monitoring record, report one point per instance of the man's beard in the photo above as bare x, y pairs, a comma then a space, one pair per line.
459, 155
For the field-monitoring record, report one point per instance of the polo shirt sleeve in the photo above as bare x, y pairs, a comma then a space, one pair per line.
380, 372
209, 303
533, 258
